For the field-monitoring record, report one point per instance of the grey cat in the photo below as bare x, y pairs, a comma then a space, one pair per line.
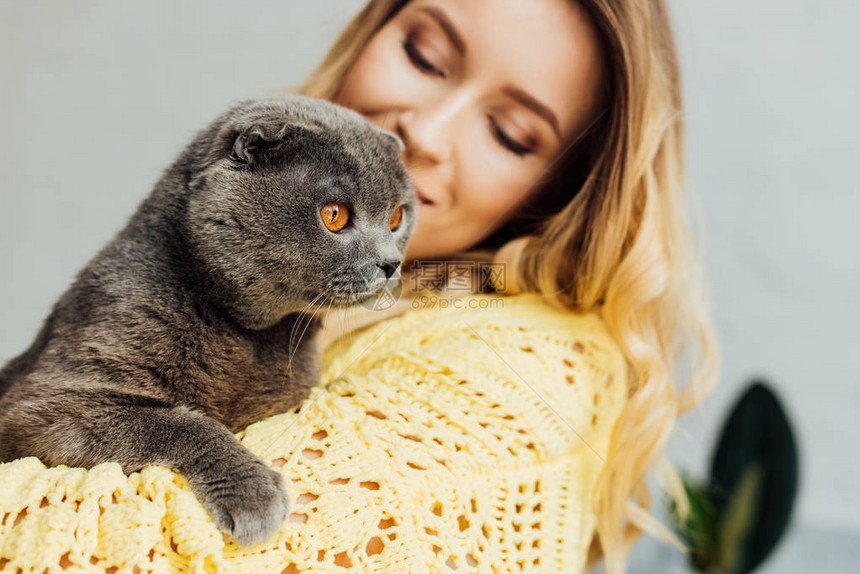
185, 327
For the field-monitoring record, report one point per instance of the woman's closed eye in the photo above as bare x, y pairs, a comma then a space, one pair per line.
418, 60
426, 67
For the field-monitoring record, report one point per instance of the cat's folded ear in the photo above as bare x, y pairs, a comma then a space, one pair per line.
249, 145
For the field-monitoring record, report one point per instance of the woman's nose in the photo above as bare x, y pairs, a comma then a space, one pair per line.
430, 130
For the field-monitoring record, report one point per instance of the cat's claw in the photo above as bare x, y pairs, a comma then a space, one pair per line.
250, 511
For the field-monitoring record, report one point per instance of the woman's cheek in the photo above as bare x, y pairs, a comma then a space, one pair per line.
489, 198
500, 198
383, 71
366, 84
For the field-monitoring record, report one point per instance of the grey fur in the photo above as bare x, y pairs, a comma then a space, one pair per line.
184, 328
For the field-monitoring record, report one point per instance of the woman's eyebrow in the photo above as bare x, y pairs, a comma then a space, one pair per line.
534, 105
511, 91
445, 23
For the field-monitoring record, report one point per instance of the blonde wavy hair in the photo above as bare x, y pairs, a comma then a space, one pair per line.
610, 233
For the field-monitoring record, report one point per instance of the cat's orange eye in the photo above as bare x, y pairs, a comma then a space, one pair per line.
335, 215
395, 218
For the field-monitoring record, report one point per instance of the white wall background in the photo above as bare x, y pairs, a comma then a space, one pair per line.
97, 98
773, 144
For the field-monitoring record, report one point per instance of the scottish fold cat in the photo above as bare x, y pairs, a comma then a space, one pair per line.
185, 327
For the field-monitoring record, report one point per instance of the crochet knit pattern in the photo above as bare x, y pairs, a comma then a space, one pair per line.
464, 439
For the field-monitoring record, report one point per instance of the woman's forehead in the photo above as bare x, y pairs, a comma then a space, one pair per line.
546, 49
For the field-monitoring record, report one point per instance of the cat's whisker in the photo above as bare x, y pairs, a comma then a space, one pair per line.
307, 312
328, 310
331, 301
340, 324
292, 348
349, 327
344, 332
340, 331
311, 316
293, 330
290, 345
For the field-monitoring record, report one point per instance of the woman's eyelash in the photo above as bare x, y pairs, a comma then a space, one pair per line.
418, 59
421, 63
508, 142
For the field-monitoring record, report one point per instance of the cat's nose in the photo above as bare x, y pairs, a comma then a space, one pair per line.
389, 267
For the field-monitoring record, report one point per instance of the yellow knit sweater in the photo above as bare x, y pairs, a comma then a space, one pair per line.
462, 438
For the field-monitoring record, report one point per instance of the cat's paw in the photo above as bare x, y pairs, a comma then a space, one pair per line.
249, 505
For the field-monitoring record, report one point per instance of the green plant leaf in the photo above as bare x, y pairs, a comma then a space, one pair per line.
738, 520
699, 526
754, 477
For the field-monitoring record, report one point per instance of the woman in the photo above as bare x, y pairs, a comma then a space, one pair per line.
545, 136
550, 133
